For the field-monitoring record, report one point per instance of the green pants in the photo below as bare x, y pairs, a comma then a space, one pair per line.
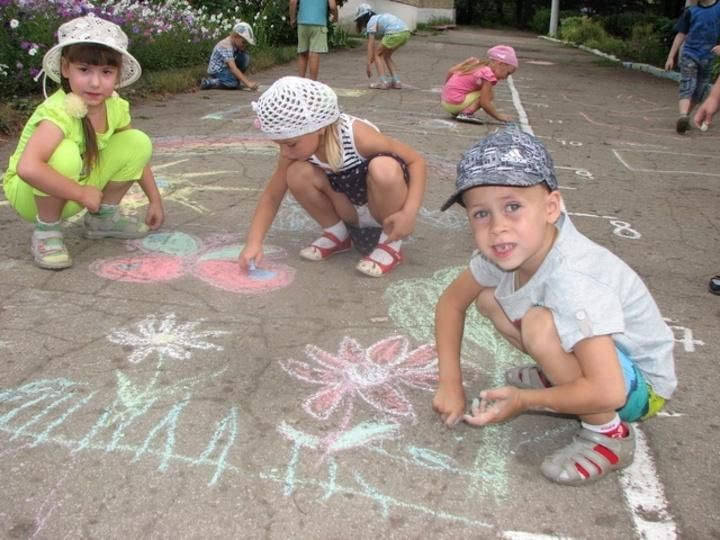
122, 160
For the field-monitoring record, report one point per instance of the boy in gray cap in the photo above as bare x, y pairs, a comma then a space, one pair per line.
601, 347
230, 60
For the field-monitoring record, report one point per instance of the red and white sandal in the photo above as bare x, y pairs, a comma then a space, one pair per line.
374, 268
317, 253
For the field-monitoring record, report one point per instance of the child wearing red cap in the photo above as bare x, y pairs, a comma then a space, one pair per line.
469, 84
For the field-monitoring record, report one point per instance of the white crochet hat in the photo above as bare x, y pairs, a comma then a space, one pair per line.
294, 106
92, 29
245, 31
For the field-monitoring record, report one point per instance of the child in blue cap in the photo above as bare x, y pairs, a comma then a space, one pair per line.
601, 348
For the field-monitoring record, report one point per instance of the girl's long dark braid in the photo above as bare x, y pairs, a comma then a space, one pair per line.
96, 55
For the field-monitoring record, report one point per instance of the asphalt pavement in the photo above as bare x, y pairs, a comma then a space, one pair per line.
152, 391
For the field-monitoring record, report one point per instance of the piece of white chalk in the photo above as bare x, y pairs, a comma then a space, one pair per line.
704, 126
251, 265
475, 404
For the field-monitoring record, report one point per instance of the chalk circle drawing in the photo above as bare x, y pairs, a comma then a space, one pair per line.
168, 256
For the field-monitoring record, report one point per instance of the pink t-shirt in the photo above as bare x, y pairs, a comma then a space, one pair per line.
460, 85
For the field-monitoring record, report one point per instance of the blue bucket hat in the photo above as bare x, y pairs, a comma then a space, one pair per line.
508, 157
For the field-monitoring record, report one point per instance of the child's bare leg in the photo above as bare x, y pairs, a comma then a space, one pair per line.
387, 192
49, 208
488, 306
387, 189
115, 191
302, 62
542, 343
314, 65
48, 247
390, 63
310, 186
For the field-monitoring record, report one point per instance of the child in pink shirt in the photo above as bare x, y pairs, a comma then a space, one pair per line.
469, 85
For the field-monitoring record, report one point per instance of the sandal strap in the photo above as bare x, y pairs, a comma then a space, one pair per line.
330, 236
387, 248
396, 256
597, 454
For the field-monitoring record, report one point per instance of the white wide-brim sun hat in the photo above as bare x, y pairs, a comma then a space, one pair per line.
92, 29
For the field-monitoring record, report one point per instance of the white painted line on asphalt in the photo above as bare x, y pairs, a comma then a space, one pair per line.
522, 115
645, 496
656, 171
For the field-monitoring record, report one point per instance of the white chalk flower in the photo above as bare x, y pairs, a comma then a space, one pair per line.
165, 338
75, 106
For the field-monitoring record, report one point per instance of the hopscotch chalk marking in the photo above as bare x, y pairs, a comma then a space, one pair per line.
626, 164
685, 337
620, 228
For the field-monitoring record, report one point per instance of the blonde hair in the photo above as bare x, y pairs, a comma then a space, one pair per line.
331, 145
472, 65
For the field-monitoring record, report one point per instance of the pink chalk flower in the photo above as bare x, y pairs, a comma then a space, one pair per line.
376, 374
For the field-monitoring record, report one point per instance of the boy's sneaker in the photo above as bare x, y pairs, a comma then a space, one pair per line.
714, 284
113, 224
589, 457
48, 248
209, 84
683, 124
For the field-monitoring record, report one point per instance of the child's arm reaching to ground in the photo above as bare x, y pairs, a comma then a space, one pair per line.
33, 168
265, 212
370, 142
370, 55
600, 388
487, 95
450, 311
155, 214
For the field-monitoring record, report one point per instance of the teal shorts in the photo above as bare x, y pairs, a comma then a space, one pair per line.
642, 401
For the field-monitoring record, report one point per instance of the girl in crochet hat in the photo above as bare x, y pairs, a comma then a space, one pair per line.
362, 187
469, 84
78, 150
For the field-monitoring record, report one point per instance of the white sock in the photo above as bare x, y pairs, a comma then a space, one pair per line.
382, 256
47, 223
612, 425
339, 230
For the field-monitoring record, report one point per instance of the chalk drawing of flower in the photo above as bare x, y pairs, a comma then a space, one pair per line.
375, 374
165, 338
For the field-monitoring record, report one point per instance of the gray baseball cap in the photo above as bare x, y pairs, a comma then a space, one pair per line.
508, 157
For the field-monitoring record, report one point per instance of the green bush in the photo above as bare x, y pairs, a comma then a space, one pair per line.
622, 24
581, 30
540, 22
646, 46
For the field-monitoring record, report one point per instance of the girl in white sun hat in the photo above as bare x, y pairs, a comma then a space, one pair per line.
78, 150
362, 187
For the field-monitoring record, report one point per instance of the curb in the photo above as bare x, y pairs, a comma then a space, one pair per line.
647, 68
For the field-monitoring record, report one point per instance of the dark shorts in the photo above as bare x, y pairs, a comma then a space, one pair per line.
353, 184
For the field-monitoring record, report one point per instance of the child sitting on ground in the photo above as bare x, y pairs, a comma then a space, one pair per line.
78, 150
393, 33
469, 85
230, 60
602, 349
362, 187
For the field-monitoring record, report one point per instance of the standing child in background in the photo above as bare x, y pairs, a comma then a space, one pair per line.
230, 60
78, 149
393, 33
602, 349
362, 187
311, 19
703, 117
698, 33
469, 85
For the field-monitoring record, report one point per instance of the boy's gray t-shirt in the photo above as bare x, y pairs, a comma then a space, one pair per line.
590, 292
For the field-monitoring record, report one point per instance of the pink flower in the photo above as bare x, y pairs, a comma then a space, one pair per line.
375, 374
